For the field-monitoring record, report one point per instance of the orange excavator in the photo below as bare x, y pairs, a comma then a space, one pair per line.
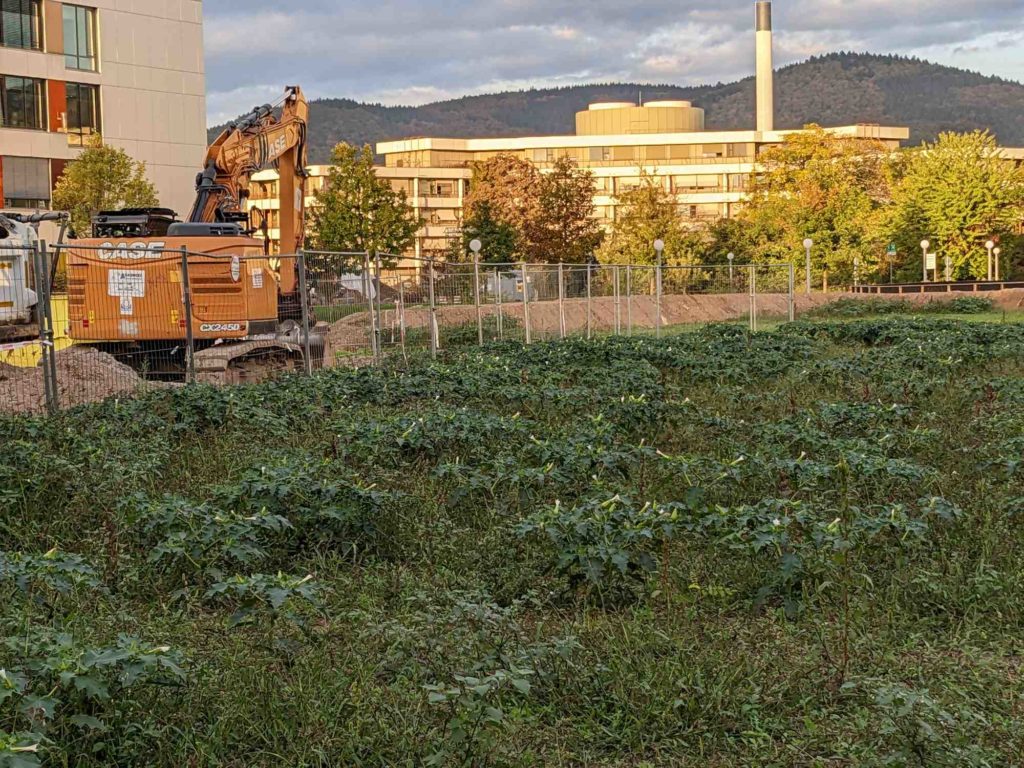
132, 294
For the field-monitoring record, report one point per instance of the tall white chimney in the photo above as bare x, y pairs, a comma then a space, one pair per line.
765, 68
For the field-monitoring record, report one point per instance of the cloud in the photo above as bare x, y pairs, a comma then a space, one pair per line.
405, 52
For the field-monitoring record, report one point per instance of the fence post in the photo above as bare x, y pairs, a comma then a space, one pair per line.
476, 300
307, 352
629, 300
657, 302
590, 297
49, 271
433, 308
401, 314
45, 344
186, 300
377, 290
561, 300
368, 293
792, 293
753, 299
618, 301
497, 303
526, 303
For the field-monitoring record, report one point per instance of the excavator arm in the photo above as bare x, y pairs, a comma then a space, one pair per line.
248, 145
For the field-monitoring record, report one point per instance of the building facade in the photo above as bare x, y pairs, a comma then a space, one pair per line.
708, 172
132, 72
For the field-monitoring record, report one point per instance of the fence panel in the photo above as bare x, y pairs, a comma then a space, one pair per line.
126, 311
349, 309
343, 293
27, 360
774, 295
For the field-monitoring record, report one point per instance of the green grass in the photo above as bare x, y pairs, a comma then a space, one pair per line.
794, 548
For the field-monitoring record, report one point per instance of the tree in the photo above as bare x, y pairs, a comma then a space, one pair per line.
359, 211
648, 213
505, 194
101, 178
829, 188
958, 193
565, 228
500, 240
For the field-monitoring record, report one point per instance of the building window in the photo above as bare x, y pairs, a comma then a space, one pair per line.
19, 24
22, 103
600, 154
656, 153
80, 38
739, 182
83, 116
441, 189
26, 182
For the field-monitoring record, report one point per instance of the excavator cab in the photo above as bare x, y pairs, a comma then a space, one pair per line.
133, 222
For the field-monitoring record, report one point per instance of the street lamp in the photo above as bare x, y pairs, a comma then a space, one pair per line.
949, 268
476, 246
659, 247
925, 245
990, 246
808, 244
995, 252
731, 257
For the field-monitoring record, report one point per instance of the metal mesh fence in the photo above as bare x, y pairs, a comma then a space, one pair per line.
143, 318
25, 383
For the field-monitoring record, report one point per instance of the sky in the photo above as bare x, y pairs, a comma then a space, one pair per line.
409, 52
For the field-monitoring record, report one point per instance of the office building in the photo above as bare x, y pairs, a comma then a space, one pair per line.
131, 71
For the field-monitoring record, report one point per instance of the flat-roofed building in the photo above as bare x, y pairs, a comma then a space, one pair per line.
132, 71
436, 195
708, 172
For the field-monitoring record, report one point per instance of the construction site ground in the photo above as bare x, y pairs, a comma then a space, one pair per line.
87, 375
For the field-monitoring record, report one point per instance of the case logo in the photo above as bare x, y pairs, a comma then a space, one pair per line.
131, 251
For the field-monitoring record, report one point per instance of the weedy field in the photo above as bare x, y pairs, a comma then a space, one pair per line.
796, 548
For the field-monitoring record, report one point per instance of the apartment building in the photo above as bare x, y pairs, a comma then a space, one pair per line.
132, 71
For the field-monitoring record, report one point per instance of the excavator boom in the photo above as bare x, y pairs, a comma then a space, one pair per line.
258, 140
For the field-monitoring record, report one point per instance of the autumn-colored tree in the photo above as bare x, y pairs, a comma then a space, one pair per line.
565, 229
829, 188
503, 197
957, 193
359, 211
101, 178
648, 213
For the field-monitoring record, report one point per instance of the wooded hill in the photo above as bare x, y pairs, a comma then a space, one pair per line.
837, 89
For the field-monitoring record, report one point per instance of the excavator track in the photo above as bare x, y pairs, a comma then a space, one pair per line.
248, 362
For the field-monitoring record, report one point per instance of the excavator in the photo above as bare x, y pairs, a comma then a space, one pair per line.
126, 284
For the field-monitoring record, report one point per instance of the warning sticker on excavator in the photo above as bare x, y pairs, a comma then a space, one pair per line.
257, 278
130, 283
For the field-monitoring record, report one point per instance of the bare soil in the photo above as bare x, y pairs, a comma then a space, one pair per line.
352, 332
84, 375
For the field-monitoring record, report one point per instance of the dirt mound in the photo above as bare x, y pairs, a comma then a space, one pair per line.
84, 375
